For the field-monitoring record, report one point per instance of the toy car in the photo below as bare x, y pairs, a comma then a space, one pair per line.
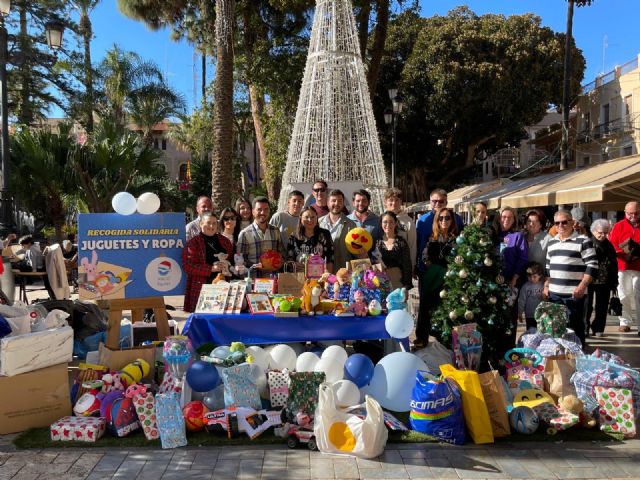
297, 435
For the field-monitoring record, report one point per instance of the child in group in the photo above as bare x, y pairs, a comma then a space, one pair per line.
531, 294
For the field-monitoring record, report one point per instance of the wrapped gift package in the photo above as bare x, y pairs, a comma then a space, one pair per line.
33, 351
34, 399
78, 429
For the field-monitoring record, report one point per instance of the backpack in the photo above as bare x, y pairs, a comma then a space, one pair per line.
124, 419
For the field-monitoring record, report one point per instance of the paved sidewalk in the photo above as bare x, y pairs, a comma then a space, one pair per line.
544, 460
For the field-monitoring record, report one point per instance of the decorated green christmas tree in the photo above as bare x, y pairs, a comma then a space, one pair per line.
474, 291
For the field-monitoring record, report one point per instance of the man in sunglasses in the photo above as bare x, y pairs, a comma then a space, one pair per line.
320, 193
287, 220
571, 265
625, 237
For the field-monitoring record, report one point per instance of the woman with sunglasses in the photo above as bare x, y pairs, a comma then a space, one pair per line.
229, 225
309, 240
435, 258
395, 252
245, 215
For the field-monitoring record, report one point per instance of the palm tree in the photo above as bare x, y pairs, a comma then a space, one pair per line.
85, 7
151, 105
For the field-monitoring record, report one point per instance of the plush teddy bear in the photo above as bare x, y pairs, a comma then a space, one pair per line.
396, 299
573, 404
238, 265
111, 381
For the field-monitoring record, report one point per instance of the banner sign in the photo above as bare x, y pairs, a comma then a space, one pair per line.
130, 256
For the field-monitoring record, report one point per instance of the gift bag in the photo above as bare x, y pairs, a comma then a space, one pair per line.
555, 417
343, 433
170, 421
278, 388
290, 282
476, 415
495, 398
551, 318
303, 392
146, 411
557, 376
615, 406
436, 409
240, 389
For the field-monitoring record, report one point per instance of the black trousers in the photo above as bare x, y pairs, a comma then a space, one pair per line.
601, 294
429, 301
576, 313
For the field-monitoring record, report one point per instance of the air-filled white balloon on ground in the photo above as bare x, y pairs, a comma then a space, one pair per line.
332, 369
260, 378
347, 393
393, 380
399, 324
260, 357
282, 356
335, 352
306, 362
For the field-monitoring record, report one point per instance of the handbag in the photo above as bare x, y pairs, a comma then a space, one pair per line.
615, 305
339, 432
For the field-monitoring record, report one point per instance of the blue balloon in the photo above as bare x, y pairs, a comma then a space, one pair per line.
202, 376
393, 380
359, 369
399, 324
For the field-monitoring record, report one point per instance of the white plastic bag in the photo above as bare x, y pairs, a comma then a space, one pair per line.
343, 433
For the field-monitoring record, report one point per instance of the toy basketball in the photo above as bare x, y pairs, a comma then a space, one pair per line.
193, 413
524, 420
271, 261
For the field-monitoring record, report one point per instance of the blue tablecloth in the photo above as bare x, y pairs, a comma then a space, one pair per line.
265, 329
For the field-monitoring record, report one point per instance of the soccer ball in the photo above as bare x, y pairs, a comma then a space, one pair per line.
193, 413
524, 420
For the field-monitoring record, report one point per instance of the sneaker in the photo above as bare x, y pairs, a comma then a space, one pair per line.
599, 334
624, 328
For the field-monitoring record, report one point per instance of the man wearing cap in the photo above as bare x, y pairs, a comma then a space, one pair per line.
625, 237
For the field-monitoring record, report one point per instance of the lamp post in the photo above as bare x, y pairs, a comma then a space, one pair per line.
54, 31
391, 119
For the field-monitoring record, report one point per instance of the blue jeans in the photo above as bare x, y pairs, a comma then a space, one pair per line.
576, 312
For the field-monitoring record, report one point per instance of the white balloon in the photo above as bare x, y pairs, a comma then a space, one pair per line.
306, 362
260, 378
124, 203
283, 356
148, 203
260, 357
335, 352
347, 393
332, 369
399, 324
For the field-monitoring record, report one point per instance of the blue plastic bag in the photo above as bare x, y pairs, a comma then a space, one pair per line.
436, 409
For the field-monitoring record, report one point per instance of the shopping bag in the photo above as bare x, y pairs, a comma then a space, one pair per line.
436, 409
616, 411
495, 398
474, 407
557, 376
343, 433
290, 282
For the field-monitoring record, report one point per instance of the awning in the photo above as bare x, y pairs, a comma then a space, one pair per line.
459, 195
613, 183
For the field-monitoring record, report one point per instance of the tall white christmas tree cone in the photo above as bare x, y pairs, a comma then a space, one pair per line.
334, 135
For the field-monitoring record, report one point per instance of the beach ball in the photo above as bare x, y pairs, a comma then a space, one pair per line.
193, 413
524, 420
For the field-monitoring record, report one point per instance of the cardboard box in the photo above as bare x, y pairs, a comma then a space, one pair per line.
34, 399
33, 351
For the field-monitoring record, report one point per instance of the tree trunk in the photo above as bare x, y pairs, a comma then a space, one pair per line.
257, 108
362, 21
25, 116
221, 157
204, 77
85, 29
377, 50
564, 144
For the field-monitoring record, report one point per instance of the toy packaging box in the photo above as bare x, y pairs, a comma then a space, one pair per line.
32, 351
79, 429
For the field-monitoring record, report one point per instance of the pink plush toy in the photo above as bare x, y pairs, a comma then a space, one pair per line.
111, 381
135, 389
359, 308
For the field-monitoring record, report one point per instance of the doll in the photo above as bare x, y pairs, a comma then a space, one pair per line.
359, 307
341, 287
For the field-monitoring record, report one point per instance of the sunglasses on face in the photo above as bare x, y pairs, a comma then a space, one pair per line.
439, 202
319, 190
444, 218
561, 222
228, 219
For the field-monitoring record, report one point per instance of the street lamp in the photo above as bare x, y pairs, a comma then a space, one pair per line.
391, 119
54, 31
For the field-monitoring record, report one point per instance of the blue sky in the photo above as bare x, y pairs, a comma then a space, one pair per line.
605, 18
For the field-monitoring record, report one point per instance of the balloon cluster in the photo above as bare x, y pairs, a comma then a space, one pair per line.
125, 204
